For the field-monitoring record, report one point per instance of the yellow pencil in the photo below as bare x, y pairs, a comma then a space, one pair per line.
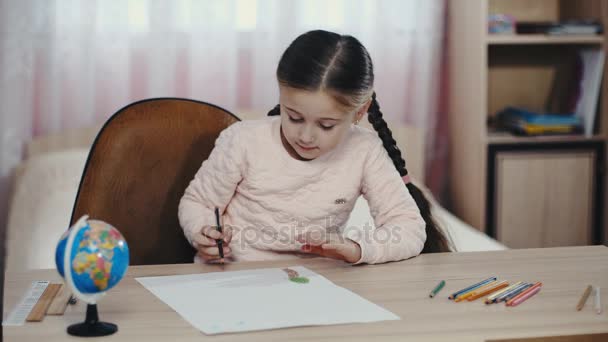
491, 298
469, 293
480, 293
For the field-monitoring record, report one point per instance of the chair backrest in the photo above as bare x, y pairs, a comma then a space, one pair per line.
139, 166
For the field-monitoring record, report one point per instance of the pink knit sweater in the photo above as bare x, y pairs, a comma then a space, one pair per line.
269, 198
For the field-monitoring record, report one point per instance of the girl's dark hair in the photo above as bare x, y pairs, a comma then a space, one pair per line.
341, 66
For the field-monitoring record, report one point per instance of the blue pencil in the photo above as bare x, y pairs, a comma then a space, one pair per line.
511, 291
516, 292
474, 286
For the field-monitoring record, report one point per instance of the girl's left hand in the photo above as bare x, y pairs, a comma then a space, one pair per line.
331, 246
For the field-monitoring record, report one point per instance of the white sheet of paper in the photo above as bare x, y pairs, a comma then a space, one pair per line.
222, 302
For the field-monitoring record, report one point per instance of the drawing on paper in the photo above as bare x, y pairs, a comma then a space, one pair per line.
295, 276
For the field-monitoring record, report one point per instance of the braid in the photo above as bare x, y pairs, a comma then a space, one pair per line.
435, 238
275, 111
375, 118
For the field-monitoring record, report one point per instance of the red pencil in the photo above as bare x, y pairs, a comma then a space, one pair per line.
520, 298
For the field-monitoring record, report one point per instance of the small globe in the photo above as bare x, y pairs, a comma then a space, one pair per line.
98, 258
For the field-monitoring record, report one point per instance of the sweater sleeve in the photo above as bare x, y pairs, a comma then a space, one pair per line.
400, 229
214, 183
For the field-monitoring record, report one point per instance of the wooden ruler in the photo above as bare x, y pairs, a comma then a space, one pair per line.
39, 310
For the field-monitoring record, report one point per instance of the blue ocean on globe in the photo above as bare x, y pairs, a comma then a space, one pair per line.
99, 257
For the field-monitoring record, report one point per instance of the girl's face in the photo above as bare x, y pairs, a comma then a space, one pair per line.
312, 123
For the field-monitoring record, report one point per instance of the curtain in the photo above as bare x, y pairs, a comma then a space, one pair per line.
71, 63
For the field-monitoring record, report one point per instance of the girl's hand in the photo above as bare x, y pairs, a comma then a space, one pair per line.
207, 247
330, 246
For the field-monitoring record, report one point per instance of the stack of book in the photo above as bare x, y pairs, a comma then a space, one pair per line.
566, 27
523, 122
579, 109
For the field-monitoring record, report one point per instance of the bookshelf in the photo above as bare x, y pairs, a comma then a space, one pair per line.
525, 191
493, 39
507, 138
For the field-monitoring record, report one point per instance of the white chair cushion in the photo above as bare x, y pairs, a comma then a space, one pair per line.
41, 207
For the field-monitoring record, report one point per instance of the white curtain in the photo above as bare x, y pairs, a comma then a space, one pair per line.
71, 63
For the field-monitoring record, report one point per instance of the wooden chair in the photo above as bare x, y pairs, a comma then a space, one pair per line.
138, 168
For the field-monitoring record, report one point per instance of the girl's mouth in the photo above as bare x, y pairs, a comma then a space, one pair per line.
305, 148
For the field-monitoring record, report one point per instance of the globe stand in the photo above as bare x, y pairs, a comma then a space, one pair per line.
92, 327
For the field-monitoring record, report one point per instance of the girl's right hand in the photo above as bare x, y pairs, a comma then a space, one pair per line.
207, 247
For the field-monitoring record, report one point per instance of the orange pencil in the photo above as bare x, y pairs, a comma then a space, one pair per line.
479, 294
524, 293
469, 293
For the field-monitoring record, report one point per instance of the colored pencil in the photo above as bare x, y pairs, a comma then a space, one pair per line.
507, 296
480, 293
469, 293
474, 286
504, 297
518, 292
583, 300
524, 296
437, 288
491, 299
598, 301
524, 293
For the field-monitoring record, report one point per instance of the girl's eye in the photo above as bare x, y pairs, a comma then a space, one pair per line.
292, 119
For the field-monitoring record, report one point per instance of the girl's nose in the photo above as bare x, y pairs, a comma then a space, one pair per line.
306, 135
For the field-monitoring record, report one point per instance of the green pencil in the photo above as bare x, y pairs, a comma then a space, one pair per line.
437, 289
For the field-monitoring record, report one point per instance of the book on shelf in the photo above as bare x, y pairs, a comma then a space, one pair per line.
520, 121
572, 104
567, 27
592, 63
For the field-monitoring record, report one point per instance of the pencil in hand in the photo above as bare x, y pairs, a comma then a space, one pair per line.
220, 242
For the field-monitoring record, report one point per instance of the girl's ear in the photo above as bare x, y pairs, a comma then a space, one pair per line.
361, 112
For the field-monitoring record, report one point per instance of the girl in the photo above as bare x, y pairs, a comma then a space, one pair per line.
286, 185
